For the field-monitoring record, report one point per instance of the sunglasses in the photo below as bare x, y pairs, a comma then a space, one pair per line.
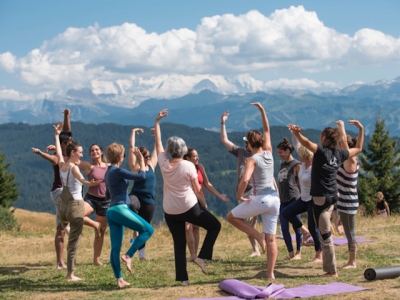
147, 157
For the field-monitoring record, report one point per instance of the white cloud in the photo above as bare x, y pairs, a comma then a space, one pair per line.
118, 59
15, 95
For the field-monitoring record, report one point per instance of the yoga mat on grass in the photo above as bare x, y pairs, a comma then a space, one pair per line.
243, 290
382, 273
336, 241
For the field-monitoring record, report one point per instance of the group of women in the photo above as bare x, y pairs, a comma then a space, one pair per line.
307, 186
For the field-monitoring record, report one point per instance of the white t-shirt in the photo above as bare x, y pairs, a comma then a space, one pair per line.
179, 196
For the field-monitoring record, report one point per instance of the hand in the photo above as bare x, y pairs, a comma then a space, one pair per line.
95, 182
225, 116
162, 114
340, 123
137, 130
58, 128
35, 150
294, 128
224, 198
67, 112
50, 148
356, 123
137, 153
257, 104
244, 199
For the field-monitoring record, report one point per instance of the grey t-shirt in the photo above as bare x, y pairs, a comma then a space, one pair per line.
263, 174
242, 155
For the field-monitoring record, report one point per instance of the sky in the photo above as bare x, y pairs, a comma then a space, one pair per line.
123, 47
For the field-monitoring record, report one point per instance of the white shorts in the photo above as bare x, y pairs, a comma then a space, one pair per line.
265, 205
55, 197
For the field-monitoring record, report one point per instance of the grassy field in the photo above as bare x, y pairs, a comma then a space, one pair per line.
27, 268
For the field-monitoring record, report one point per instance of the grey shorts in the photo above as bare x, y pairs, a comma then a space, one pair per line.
99, 205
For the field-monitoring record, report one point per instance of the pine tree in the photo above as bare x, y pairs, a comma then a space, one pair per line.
8, 188
379, 169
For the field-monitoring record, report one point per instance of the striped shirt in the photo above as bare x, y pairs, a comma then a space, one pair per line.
347, 186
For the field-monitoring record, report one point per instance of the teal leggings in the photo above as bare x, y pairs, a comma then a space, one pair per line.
119, 217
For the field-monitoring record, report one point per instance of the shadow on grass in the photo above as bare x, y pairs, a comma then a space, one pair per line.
17, 269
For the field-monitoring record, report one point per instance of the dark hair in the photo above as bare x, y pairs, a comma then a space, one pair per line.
103, 158
143, 150
285, 145
72, 147
188, 153
351, 142
255, 139
65, 136
331, 137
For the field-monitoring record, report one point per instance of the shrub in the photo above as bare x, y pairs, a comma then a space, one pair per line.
7, 220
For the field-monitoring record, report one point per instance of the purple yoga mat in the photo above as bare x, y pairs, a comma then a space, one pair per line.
242, 290
336, 241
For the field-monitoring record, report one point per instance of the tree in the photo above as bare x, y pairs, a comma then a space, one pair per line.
8, 188
379, 169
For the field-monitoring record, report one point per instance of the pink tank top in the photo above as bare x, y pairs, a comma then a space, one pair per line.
97, 173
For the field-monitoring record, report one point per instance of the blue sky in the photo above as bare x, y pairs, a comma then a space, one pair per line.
118, 46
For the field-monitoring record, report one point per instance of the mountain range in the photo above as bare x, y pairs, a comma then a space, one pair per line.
208, 99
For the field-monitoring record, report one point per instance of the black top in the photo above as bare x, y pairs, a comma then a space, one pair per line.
381, 205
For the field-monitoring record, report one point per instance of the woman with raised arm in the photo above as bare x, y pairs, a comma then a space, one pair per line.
119, 215
95, 198
264, 199
180, 202
193, 231
326, 162
347, 204
142, 195
72, 207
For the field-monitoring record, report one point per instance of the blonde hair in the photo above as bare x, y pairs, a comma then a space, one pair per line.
304, 153
114, 152
379, 195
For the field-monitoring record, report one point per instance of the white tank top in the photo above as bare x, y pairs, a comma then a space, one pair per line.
305, 182
73, 184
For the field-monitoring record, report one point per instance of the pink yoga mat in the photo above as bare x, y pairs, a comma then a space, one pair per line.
336, 241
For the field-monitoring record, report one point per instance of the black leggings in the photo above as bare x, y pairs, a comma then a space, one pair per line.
146, 211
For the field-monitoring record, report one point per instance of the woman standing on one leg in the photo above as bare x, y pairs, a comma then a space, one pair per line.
289, 192
72, 208
347, 204
95, 198
193, 231
304, 204
326, 162
264, 199
119, 215
180, 202
143, 192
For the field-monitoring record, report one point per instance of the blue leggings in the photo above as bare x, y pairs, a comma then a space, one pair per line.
119, 217
285, 229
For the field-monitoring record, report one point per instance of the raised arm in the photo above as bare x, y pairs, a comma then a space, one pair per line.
350, 165
266, 130
360, 138
131, 156
296, 130
57, 131
51, 158
224, 136
157, 131
67, 121
207, 184
250, 165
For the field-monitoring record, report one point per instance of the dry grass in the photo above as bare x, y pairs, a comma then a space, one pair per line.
28, 271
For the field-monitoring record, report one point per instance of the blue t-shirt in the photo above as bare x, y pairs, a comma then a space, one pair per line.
116, 180
145, 189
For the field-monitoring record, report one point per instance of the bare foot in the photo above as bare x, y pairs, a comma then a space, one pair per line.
73, 278
143, 259
330, 274
128, 261
306, 236
255, 254
185, 283
349, 266
200, 262
271, 276
317, 260
191, 258
289, 257
98, 230
121, 283
297, 256
97, 263
340, 229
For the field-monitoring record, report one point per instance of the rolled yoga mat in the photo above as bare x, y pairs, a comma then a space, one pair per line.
382, 273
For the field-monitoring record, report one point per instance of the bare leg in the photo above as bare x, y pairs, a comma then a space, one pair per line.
200, 262
196, 235
336, 221
245, 227
89, 222
272, 254
253, 242
190, 241
351, 264
98, 241
121, 283
59, 246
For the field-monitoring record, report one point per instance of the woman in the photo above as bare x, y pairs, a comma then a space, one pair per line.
180, 202
326, 162
347, 204
304, 204
95, 198
72, 208
382, 208
289, 192
143, 192
193, 231
119, 215
264, 199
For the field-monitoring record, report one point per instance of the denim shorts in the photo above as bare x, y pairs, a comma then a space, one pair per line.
99, 205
